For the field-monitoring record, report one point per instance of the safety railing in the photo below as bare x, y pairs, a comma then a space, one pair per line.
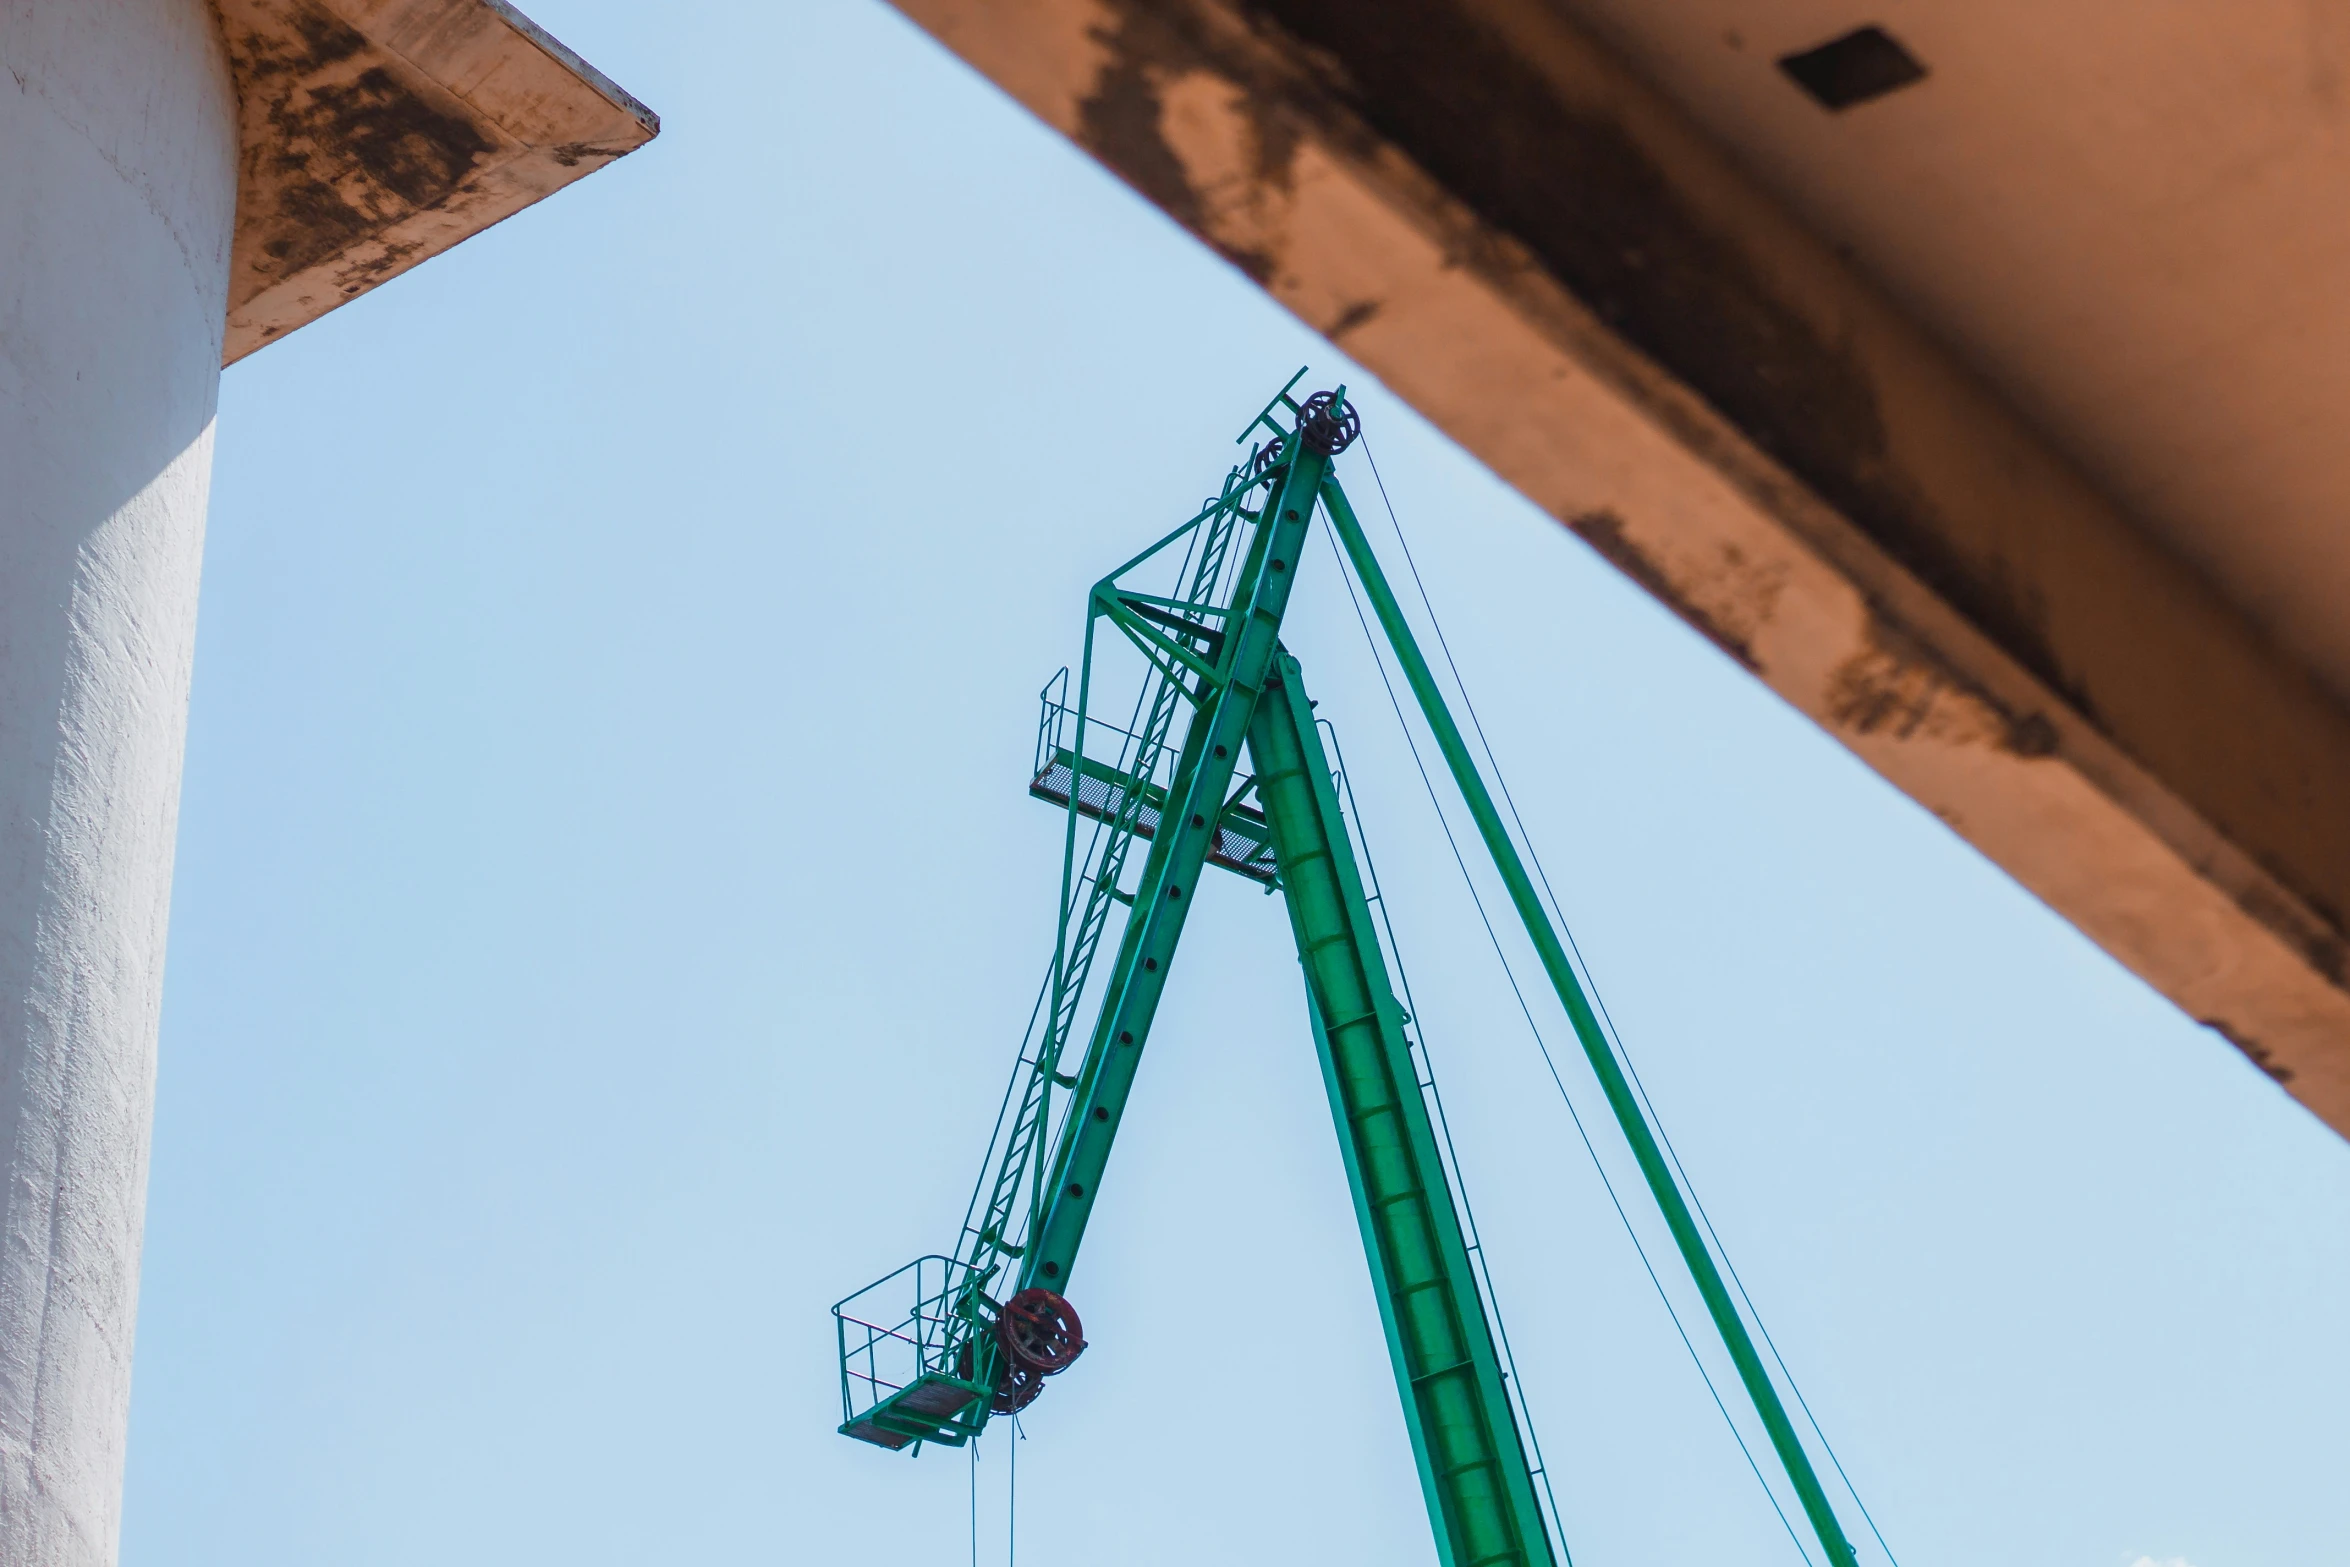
899, 1340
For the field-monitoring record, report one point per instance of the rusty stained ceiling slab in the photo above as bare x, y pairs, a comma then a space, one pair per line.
375, 134
1559, 266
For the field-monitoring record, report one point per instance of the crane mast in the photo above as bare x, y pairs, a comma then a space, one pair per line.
931, 1352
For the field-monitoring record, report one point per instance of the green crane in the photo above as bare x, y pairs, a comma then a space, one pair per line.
930, 1353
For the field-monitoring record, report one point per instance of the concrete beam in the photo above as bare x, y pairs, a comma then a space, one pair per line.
1538, 251
375, 134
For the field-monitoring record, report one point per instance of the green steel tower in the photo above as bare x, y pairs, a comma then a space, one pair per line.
931, 1352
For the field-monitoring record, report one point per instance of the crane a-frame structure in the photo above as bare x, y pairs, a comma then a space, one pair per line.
931, 1352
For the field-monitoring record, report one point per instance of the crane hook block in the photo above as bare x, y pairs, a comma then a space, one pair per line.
1040, 1332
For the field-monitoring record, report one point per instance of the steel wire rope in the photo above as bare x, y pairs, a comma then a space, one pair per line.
1012, 1494
1549, 1061
1460, 1184
1615, 1035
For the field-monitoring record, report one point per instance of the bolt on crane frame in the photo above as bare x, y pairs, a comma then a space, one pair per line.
985, 1326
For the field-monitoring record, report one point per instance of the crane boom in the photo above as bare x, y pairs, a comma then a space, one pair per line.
1223, 695
969, 1345
934, 1369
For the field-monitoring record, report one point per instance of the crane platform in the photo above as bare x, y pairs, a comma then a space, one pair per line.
1243, 841
905, 1374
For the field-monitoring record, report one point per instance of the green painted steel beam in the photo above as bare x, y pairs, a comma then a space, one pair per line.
1620, 1098
1225, 697
1073, 1116
1472, 1460
1223, 662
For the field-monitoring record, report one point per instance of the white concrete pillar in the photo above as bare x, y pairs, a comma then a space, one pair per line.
118, 166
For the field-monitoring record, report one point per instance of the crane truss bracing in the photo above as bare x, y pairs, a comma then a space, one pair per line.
931, 1352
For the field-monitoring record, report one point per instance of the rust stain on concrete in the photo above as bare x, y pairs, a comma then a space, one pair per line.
1552, 179
2321, 946
374, 134
1127, 119
350, 144
1520, 238
1604, 532
2255, 1052
1897, 687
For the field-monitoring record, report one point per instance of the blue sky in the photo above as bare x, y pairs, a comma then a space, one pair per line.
607, 906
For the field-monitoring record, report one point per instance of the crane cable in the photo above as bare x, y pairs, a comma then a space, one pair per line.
1614, 1035
1011, 1495
1549, 1061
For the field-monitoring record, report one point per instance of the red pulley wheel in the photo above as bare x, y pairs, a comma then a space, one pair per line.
1016, 1386
1015, 1389
1040, 1331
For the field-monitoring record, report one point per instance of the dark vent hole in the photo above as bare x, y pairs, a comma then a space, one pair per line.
1866, 63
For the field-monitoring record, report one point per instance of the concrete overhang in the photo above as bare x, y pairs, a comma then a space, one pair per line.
375, 134
1995, 422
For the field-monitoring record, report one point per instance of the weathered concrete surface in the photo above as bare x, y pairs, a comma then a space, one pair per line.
2132, 230
117, 188
1553, 264
178, 184
377, 133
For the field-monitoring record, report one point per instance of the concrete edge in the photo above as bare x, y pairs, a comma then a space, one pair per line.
376, 134
2042, 753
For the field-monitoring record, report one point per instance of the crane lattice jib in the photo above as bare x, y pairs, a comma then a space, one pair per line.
993, 1231
929, 1353
1222, 689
